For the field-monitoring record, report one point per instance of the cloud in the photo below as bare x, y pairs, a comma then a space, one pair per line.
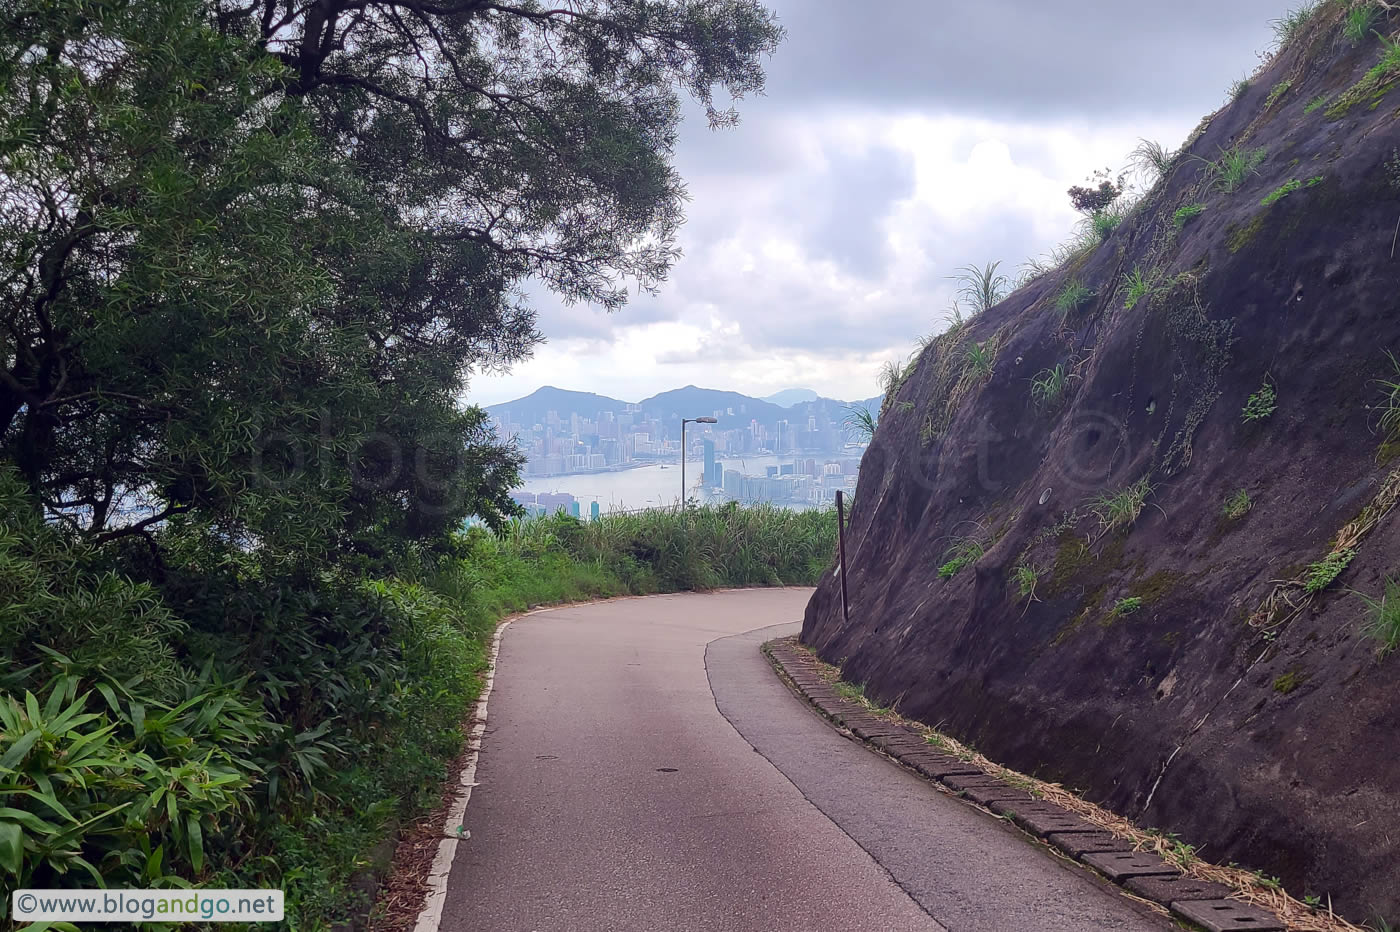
898, 141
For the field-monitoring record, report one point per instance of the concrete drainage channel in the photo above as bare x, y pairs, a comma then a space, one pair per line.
1141, 873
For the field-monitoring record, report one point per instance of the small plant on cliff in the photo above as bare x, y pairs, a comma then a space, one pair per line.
1323, 573
1125, 607
964, 552
1238, 505
1390, 404
1261, 404
1278, 91
860, 422
1317, 103
1152, 161
979, 361
1235, 165
1239, 88
1384, 624
1185, 215
1025, 579
1287, 682
1288, 26
1072, 297
1139, 285
982, 288
1101, 204
1104, 222
1092, 200
1285, 189
847, 690
1048, 387
1121, 509
1359, 22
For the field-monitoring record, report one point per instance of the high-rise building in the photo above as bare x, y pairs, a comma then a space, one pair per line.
709, 446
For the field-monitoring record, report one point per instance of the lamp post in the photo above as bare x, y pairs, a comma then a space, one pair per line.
685, 421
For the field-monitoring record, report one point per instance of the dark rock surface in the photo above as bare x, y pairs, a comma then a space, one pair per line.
1270, 744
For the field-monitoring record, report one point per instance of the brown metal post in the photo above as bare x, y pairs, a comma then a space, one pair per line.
841, 552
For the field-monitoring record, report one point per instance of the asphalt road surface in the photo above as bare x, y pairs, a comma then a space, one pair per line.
643, 768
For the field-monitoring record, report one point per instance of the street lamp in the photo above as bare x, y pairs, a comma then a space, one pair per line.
685, 421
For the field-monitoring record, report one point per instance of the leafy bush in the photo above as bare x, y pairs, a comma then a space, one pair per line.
1323, 573
1093, 200
1261, 404
1125, 607
235, 727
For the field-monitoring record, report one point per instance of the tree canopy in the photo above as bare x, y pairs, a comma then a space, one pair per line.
253, 252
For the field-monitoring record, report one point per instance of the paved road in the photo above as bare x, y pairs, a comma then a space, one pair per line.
643, 769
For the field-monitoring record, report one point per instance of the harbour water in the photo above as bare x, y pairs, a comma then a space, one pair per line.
649, 486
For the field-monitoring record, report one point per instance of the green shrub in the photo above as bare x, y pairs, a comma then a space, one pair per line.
239, 728
1185, 215
1072, 297
964, 552
1239, 88
1317, 103
1025, 578
1278, 91
1322, 574
1287, 188
1261, 404
1124, 607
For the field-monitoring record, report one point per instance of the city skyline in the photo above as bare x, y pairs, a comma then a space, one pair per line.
564, 433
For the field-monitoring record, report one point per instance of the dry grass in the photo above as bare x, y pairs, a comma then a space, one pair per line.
1296, 915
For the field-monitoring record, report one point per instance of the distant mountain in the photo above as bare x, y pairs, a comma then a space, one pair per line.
533, 407
735, 409
791, 396
704, 402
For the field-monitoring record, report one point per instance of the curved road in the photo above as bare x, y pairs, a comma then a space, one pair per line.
644, 769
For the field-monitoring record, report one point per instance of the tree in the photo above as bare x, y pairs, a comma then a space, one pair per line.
254, 252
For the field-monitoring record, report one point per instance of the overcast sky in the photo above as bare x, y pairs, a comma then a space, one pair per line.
897, 141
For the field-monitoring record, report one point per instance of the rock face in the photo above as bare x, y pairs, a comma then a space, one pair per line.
1171, 662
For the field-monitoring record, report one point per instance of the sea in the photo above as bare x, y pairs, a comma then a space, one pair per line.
651, 486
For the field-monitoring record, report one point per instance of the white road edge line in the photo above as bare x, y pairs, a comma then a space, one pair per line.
430, 916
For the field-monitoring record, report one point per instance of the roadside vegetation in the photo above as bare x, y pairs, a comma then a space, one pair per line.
250, 735
252, 256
